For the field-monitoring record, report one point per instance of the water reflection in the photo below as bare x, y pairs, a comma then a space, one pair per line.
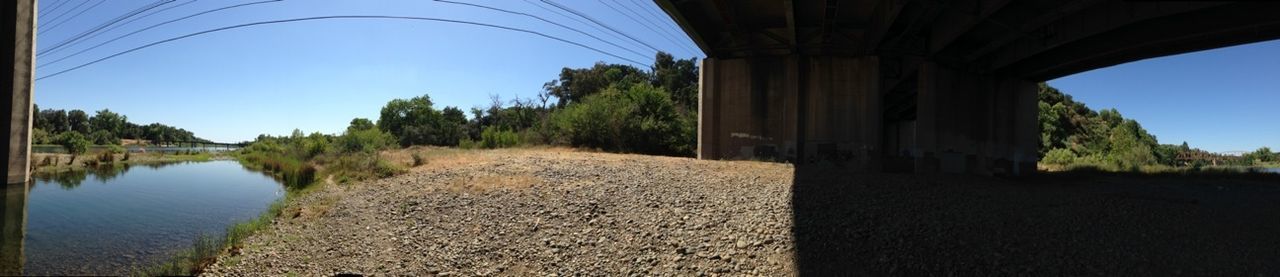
72, 179
106, 220
13, 228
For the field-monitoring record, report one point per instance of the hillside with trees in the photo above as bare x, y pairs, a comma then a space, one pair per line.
1072, 134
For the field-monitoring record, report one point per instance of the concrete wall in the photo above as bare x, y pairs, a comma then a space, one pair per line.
17, 26
971, 123
751, 109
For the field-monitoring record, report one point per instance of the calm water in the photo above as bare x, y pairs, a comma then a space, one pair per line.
1272, 170
106, 222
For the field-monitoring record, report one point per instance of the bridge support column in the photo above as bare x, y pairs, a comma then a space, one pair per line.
17, 27
796, 108
977, 124
13, 227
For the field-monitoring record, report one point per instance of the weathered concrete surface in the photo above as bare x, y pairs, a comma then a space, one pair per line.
17, 26
13, 228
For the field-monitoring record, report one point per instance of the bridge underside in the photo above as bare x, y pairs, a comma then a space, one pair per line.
921, 86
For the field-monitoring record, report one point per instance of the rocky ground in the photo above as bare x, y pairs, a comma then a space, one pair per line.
559, 212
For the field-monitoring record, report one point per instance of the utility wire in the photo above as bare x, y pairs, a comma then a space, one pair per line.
112, 28
593, 26
54, 8
59, 23
647, 24
104, 25
318, 18
597, 22
156, 26
547, 21
671, 24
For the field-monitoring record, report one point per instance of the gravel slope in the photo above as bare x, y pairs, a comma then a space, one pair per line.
559, 212
538, 212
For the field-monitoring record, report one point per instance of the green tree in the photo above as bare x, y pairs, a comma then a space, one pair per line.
108, 121
360, 124
78, 121
102, 137
416, 122
74, 142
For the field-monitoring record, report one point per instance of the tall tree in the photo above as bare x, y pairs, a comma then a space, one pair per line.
79, 121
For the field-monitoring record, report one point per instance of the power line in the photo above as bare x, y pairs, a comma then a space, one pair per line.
662, 34
593, 26
317, 18
117, 26
547, 21
73, 17
156, 26
103, 25
592, 19
54, 8
671, 25
655, 15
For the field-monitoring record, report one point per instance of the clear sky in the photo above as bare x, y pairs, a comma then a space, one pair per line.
317, 75
1225, 99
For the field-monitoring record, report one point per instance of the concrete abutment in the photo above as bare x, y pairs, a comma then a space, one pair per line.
808, 109
18, 28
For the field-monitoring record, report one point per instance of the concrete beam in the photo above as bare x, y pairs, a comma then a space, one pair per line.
18, 26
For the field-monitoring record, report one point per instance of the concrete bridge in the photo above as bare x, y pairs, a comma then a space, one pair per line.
921, 85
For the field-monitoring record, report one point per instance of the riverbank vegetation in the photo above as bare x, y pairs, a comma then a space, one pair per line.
58, 127
1075, 137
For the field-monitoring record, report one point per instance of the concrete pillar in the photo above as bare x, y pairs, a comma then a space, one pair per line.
13, 228
975, 124
707, 109
17, 26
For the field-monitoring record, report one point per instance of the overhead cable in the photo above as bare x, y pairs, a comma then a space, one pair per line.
318, 18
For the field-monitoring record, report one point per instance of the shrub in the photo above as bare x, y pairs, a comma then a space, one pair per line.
102, 137
418, 160
493, 138
639, 119
364, 141
74, 142
1059, 156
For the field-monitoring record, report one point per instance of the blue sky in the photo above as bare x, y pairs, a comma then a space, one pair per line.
1225, 99
316, 76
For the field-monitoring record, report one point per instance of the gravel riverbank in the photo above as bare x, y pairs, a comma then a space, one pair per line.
559, 212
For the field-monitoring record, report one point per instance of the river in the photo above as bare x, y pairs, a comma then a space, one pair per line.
105, 222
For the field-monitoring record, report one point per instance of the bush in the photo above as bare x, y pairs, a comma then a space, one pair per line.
74, 142
369, 140
1059, 156
640, 119
102, 137
493, 138
418, 160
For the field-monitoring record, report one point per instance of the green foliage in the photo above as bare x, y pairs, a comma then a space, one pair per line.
416, 122
369, 140
493, 138
74, 142
102, 137
575, 85
640, 119
1105, 138
78, 121
1059, 156
360, 124
40, 136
